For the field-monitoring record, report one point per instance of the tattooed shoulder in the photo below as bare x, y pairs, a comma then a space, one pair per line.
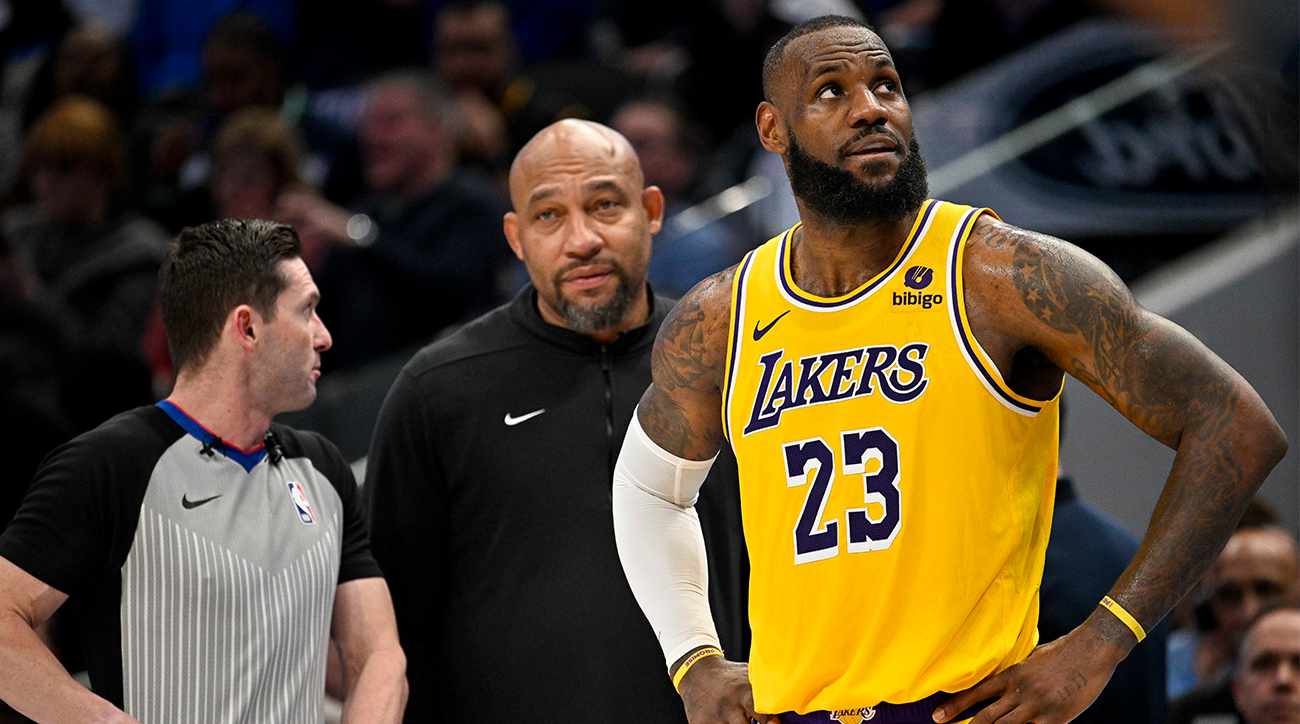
1072, 308
679, 411
998, 237
692, 343
1063, 286
997, 234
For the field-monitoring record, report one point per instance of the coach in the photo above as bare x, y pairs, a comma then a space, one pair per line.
491, 469
214, 554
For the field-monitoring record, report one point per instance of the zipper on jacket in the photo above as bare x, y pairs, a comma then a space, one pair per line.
607, 369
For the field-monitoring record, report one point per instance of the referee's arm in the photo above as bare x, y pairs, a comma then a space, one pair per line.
374, 667
32, 681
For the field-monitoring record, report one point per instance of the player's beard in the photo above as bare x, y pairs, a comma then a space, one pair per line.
842, 197
604, 315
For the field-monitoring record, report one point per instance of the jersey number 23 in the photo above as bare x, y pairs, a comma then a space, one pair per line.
817, 539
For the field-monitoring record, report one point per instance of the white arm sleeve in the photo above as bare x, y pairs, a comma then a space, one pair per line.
660, 542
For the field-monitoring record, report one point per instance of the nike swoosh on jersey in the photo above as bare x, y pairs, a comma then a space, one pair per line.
758, 333
187, 503
512, 421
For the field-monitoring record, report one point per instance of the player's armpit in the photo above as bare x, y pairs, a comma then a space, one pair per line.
681, 411
1067, 305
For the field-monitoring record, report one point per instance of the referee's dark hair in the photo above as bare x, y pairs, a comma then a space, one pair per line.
213, 268
772, 62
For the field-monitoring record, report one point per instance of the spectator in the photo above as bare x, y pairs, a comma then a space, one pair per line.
255, 160
665, 141
1266, 687
169, 37
474, 47
1258, 565
92, 256
1192, 620
474, 54
669, 147
421, 249
88, 62
242, 68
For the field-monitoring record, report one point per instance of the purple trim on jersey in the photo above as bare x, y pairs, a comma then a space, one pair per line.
736, 334
965, 336
247, 459
916, 712
912, 241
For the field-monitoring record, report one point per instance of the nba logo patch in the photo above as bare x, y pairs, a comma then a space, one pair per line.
299, 499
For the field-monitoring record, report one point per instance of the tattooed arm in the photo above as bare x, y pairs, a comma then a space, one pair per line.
1036, 299
682, 409
659, 541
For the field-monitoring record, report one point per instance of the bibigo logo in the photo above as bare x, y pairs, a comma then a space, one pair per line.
917, 277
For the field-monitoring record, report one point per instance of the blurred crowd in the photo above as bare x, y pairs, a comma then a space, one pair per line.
382, 130
1257, 572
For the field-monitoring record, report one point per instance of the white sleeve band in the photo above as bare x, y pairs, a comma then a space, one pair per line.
660, 542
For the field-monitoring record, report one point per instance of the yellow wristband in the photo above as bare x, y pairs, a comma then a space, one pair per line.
1125, 617
691, 661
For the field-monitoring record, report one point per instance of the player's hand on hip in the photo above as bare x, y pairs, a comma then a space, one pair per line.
1053, 685
716, 691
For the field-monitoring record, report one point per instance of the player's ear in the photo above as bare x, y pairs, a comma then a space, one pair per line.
653, 201
771, 131
511, 226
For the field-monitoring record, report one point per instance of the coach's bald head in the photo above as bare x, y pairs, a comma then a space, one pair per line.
567, 144
582, 224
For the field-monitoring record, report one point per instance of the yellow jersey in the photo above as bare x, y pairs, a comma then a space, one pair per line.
896, 493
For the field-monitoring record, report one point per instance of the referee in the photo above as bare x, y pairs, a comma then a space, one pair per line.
214, 554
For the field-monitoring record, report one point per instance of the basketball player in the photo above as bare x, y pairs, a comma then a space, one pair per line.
888, 373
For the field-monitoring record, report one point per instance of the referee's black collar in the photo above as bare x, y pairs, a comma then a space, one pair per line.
524, 312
